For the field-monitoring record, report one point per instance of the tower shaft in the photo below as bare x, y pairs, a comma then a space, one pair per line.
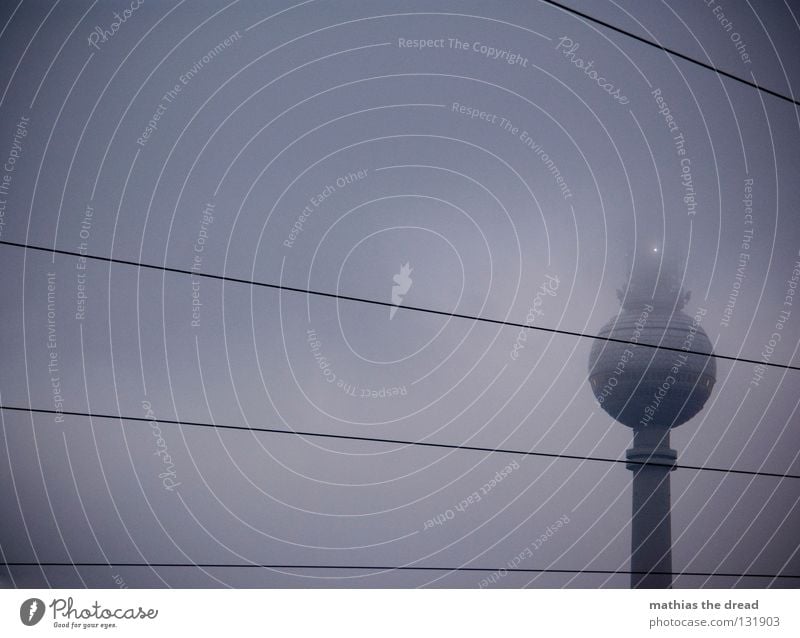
651, 529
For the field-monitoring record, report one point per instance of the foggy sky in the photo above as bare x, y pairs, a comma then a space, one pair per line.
252, 143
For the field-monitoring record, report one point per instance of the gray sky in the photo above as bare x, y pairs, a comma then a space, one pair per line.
274, 105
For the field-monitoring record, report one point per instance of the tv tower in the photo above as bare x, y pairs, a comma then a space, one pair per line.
652, 391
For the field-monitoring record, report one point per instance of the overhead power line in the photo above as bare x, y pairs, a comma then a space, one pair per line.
385, 568
672, 52
428, 444
374, 302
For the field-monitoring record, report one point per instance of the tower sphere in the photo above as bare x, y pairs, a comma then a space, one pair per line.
638, 385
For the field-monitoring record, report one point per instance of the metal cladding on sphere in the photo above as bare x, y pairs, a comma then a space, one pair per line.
641, 386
